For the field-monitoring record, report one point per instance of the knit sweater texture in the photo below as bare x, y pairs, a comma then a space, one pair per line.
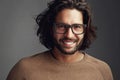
44, 67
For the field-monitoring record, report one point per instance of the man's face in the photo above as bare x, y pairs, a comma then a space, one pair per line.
68, 43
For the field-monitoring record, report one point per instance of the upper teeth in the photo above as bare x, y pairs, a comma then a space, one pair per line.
68, 42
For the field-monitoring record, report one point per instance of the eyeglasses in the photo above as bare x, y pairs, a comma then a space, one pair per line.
61, 28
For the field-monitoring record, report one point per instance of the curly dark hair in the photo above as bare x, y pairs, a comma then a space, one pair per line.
46, 19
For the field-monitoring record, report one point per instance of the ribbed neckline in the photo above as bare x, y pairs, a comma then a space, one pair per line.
55, 61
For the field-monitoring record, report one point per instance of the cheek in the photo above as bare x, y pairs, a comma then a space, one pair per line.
57, 36
80, 37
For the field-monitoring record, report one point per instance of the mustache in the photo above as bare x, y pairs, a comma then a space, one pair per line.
68, 39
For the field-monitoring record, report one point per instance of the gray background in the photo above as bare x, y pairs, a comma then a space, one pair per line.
18, 32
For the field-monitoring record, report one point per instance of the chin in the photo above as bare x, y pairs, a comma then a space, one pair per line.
68, 52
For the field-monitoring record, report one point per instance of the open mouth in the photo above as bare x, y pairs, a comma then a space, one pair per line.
68, 43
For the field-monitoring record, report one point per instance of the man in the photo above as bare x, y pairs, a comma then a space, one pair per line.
66, 29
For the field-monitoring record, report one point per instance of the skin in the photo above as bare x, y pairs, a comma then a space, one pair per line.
68, 42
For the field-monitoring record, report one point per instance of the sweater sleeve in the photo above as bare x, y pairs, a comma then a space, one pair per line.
102, 66
105, 71
17, 72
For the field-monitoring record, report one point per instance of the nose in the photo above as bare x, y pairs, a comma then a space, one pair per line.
69, 33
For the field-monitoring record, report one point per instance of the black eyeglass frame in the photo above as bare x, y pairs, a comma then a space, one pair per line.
67, 26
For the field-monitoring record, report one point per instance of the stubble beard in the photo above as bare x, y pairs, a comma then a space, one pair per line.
62, 49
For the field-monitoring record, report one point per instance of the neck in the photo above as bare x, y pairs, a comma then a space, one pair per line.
77, 56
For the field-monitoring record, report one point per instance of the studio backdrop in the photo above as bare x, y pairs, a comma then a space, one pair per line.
18, 32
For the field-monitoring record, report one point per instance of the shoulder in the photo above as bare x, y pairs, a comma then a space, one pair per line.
29, 61
101, 65
39, 57
24, 66
17, 72
95, 61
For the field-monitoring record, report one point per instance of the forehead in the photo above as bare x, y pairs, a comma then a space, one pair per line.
69, 16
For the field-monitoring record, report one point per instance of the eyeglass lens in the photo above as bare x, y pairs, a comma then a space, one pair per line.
62, 28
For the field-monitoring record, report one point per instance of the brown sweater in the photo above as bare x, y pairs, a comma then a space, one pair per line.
44, 67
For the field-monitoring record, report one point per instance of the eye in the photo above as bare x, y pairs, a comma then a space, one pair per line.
77, 26
60, 26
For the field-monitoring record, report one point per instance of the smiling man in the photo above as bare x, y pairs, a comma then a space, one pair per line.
66, 29
68, 35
